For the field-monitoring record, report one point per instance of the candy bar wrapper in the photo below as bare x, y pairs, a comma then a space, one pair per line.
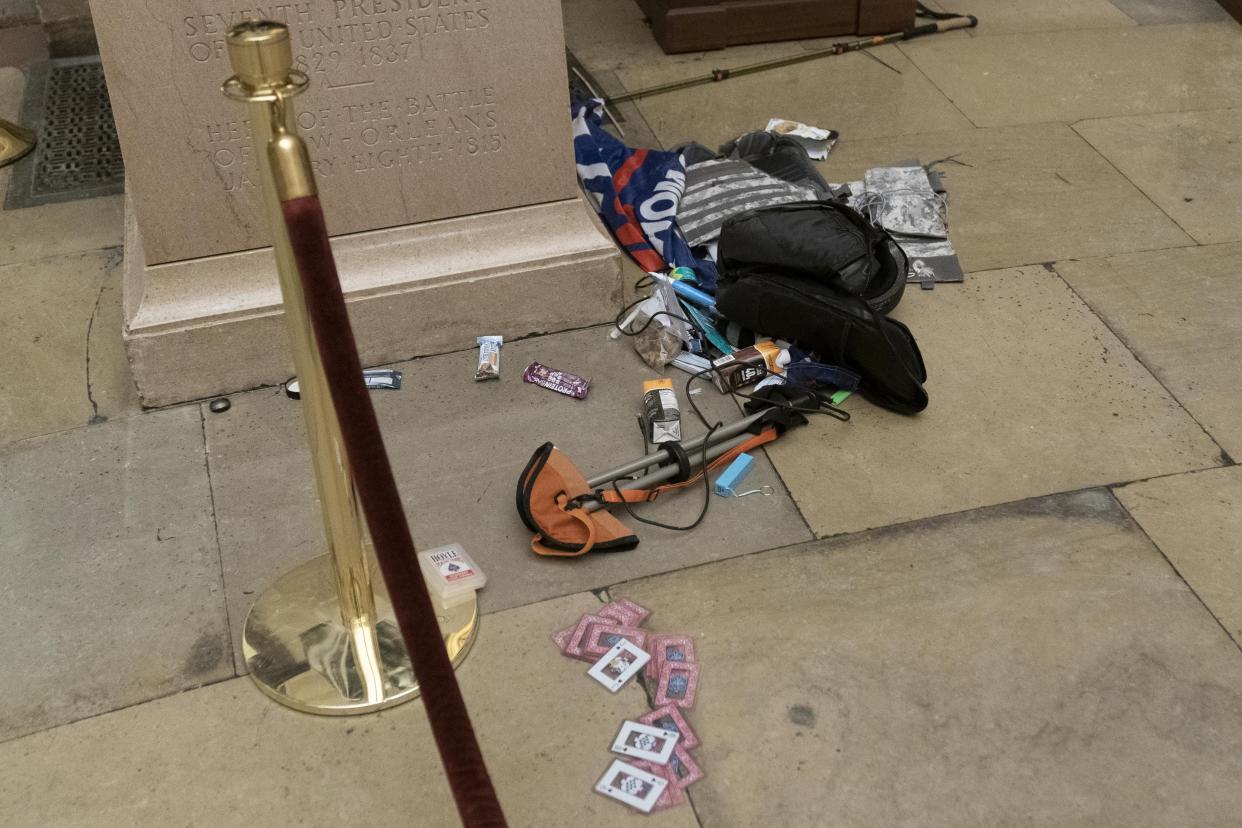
562, 382
489, 358
669, 717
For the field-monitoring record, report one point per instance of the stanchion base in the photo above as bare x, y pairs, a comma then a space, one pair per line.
298, 651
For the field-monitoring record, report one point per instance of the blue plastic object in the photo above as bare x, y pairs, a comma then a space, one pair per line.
733, 476
693, 294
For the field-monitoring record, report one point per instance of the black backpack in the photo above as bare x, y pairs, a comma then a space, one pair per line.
821, 241
819, 274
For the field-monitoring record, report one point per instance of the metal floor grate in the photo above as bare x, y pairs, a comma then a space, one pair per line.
78, 155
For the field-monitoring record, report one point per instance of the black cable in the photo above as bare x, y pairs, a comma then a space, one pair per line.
923, 11
825, 407
642, 284
707, 494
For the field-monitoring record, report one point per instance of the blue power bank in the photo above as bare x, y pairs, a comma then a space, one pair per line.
732, 477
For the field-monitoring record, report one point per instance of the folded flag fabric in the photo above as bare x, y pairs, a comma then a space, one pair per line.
721, 188
637, 193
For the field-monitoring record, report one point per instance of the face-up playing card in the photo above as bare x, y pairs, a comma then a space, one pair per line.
685, 771
673, 795
618, 665
668, 648
573, 648
634, 786
601, 638
626, 612
640, 741
669, 717
679, 684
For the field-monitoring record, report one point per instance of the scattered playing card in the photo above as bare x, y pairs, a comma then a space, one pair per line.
679, 684
669, 717
626, 611
641, 741
673, 795
634, 786
618, 665
685, 770
601, 638
573, 648
561, 637
668, 648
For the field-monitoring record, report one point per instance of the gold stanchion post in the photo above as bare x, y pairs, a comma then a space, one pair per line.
15, 142
322, 638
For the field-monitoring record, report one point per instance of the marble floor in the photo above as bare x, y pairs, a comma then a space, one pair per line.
1023, 606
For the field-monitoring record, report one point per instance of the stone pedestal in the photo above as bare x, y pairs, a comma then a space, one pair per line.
440, 136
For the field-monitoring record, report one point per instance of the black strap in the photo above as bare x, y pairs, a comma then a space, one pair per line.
678, 455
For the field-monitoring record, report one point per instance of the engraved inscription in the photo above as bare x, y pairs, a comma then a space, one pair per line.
375, 135
346, 40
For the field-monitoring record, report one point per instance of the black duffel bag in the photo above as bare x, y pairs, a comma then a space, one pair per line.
802, 296
821, 241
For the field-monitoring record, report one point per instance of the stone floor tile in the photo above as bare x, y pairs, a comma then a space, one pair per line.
1186, 162
1158, 12
1006, 17
112, 590
1088, 73
1196, 520
53, 229
18, 13
1030, 395
458, 448
60, 331
858, 96
1038, 662
1178, 310
226, 755
21, 45
1019, 195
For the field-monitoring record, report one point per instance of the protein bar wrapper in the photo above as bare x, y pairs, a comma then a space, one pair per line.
489, 358
562, 382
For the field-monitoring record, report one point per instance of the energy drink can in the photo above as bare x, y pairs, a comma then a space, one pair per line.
661, 414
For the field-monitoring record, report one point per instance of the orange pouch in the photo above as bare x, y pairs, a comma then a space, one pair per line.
546, 496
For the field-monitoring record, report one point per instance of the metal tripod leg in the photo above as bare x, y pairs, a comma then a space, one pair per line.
692, 448
670, 471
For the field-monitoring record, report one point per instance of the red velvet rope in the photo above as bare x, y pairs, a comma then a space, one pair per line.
394, 547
